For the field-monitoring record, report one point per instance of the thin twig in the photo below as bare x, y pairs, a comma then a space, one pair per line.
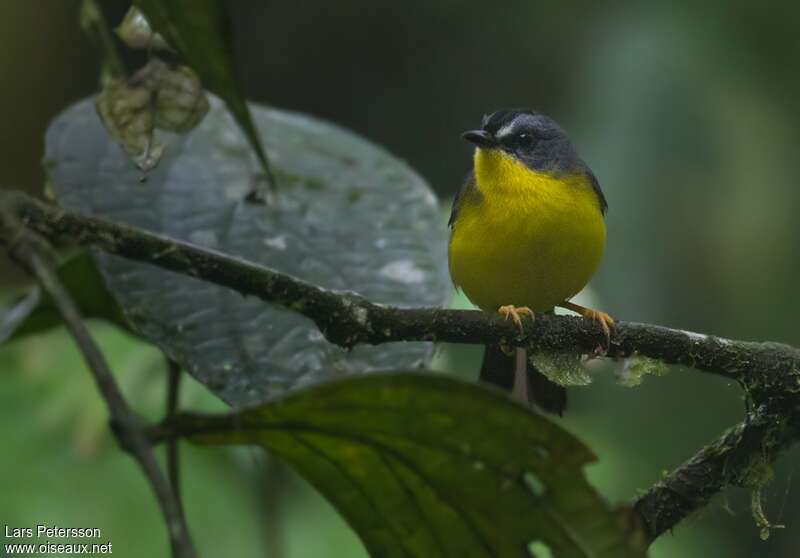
173, 453
124, 422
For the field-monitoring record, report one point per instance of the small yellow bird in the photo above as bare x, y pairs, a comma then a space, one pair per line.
527, 234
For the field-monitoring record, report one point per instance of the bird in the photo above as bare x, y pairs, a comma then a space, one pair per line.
527, 233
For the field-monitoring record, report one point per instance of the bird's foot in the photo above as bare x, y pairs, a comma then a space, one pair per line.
606, 322
516, 313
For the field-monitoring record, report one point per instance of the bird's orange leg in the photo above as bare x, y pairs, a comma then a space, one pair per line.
516, 313
605, 321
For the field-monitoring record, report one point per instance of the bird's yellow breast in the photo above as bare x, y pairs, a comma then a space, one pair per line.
523, 237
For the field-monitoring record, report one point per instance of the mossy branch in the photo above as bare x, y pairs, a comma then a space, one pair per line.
741, 457
769, 372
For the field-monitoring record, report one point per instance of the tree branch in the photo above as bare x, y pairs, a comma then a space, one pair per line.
740, 457
769, 372
29, 251
347, 319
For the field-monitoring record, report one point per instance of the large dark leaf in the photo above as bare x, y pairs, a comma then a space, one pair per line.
429, 466
350, 217
200, 30
35, 312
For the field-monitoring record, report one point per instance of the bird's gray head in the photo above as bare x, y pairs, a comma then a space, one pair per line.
532, 138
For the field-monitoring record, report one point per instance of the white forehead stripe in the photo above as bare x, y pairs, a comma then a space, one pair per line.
505, 130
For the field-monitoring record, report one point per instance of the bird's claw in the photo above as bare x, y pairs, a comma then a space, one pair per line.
516, 313
606, 322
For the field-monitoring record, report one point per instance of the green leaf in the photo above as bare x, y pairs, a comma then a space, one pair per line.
35, 312
350, 217
424, 465
200, 31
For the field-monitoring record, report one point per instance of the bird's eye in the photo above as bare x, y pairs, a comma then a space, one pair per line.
524, 139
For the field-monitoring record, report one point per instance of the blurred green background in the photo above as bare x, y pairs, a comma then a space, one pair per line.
687, 114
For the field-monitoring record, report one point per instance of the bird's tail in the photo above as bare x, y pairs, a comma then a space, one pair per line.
498, 369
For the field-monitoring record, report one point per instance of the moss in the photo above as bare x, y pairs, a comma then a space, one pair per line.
566, 369
637, 367
759, 474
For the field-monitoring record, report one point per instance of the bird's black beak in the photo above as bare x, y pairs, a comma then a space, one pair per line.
481, 138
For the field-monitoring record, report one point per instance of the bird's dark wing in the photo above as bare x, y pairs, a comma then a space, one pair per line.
468, 189
596, 187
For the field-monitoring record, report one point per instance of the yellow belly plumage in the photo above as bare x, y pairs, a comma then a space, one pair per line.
525, 238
